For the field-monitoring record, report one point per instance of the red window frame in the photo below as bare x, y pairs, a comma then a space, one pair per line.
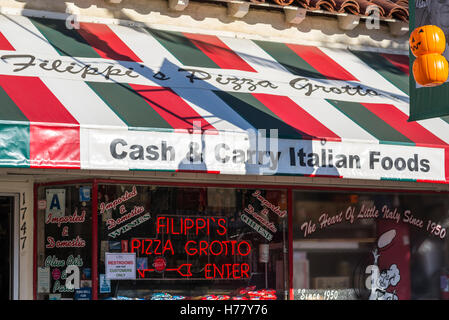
288, 188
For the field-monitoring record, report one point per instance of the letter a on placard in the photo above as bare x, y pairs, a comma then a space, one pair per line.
55, 202
73, 279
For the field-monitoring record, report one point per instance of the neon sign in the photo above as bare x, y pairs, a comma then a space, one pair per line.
196, 225
166, 225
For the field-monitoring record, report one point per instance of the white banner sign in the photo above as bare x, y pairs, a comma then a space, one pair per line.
247, 153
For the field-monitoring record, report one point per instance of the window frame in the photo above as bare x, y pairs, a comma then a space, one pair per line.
289, 188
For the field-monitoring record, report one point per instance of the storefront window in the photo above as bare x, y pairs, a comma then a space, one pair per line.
379, 246
159, 242
64, 242
164, 242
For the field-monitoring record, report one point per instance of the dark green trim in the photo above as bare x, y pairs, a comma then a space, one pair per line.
426, 103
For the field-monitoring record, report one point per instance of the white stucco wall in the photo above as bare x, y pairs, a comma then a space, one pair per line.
258, 23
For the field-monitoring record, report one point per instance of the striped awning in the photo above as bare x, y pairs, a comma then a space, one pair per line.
98, 96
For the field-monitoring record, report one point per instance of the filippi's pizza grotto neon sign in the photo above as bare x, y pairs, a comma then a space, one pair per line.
187, 226
211, 226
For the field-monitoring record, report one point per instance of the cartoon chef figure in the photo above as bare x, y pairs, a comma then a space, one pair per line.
380, 281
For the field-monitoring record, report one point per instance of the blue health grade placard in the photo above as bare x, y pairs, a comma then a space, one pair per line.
85, 194
83, 294
105, 284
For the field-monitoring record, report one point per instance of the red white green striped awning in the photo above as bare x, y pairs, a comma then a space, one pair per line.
135, 98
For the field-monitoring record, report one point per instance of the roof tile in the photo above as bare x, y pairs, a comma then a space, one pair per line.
392, 9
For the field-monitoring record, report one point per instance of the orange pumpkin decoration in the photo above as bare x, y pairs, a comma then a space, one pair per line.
430, 70
427, 39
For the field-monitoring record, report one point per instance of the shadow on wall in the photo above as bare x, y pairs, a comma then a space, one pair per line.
208, 11
174, 37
